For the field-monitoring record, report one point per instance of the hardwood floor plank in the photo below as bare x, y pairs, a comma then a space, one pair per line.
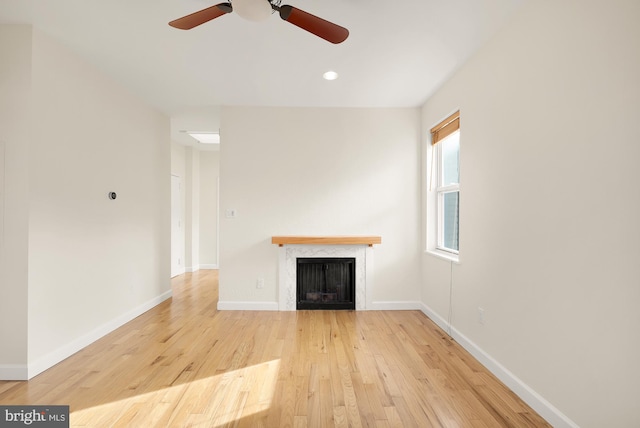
340, 417
183, 363
393, 417
302, 396
300, 422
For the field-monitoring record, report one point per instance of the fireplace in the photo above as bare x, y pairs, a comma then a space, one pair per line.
325, 283
359, 248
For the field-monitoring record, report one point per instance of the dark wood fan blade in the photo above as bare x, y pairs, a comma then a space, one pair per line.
205, 15
322, 28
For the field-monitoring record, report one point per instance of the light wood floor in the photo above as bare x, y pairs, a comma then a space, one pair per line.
183, 363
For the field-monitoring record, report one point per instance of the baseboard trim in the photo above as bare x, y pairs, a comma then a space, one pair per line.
198, 267
180, 272
545, 409
395, 306
13, 372
247, 306
208, 267
65, 351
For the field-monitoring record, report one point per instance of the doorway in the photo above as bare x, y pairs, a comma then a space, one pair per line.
177, 227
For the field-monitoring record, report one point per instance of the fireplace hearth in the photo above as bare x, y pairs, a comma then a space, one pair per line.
325, 283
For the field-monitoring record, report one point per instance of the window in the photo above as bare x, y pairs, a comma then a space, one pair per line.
444, 187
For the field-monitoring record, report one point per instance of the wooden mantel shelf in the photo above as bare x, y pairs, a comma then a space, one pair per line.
326, 240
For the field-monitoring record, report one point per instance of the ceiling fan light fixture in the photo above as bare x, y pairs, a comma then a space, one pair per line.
253, 10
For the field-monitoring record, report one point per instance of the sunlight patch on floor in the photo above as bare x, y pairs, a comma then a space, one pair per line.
214, 401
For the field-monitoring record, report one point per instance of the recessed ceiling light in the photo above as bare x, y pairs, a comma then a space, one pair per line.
330, 75
206, 137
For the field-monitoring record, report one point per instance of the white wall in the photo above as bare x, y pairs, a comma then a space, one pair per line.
15, 102
209, 173
192, 210
178, 168
178, 160
549, 231
312, 171
93, 263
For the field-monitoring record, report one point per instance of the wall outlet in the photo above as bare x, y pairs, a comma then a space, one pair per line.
231, 213
480, 315
260, 283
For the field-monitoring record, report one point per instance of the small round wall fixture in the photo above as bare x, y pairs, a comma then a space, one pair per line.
112, 195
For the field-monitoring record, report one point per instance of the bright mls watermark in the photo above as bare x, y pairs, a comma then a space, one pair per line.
34, 416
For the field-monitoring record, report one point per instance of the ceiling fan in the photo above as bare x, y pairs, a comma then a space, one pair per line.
258, 10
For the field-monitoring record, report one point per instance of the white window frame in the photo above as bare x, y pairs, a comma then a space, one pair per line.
440, 192
435, 192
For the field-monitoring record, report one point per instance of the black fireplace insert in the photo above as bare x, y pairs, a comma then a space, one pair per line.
326, 283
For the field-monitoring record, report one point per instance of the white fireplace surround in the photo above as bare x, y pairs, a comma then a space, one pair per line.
288, 254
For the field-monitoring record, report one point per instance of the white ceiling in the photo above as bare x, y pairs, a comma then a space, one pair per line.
397, 53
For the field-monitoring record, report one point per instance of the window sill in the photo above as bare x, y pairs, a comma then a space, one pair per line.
455, 258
